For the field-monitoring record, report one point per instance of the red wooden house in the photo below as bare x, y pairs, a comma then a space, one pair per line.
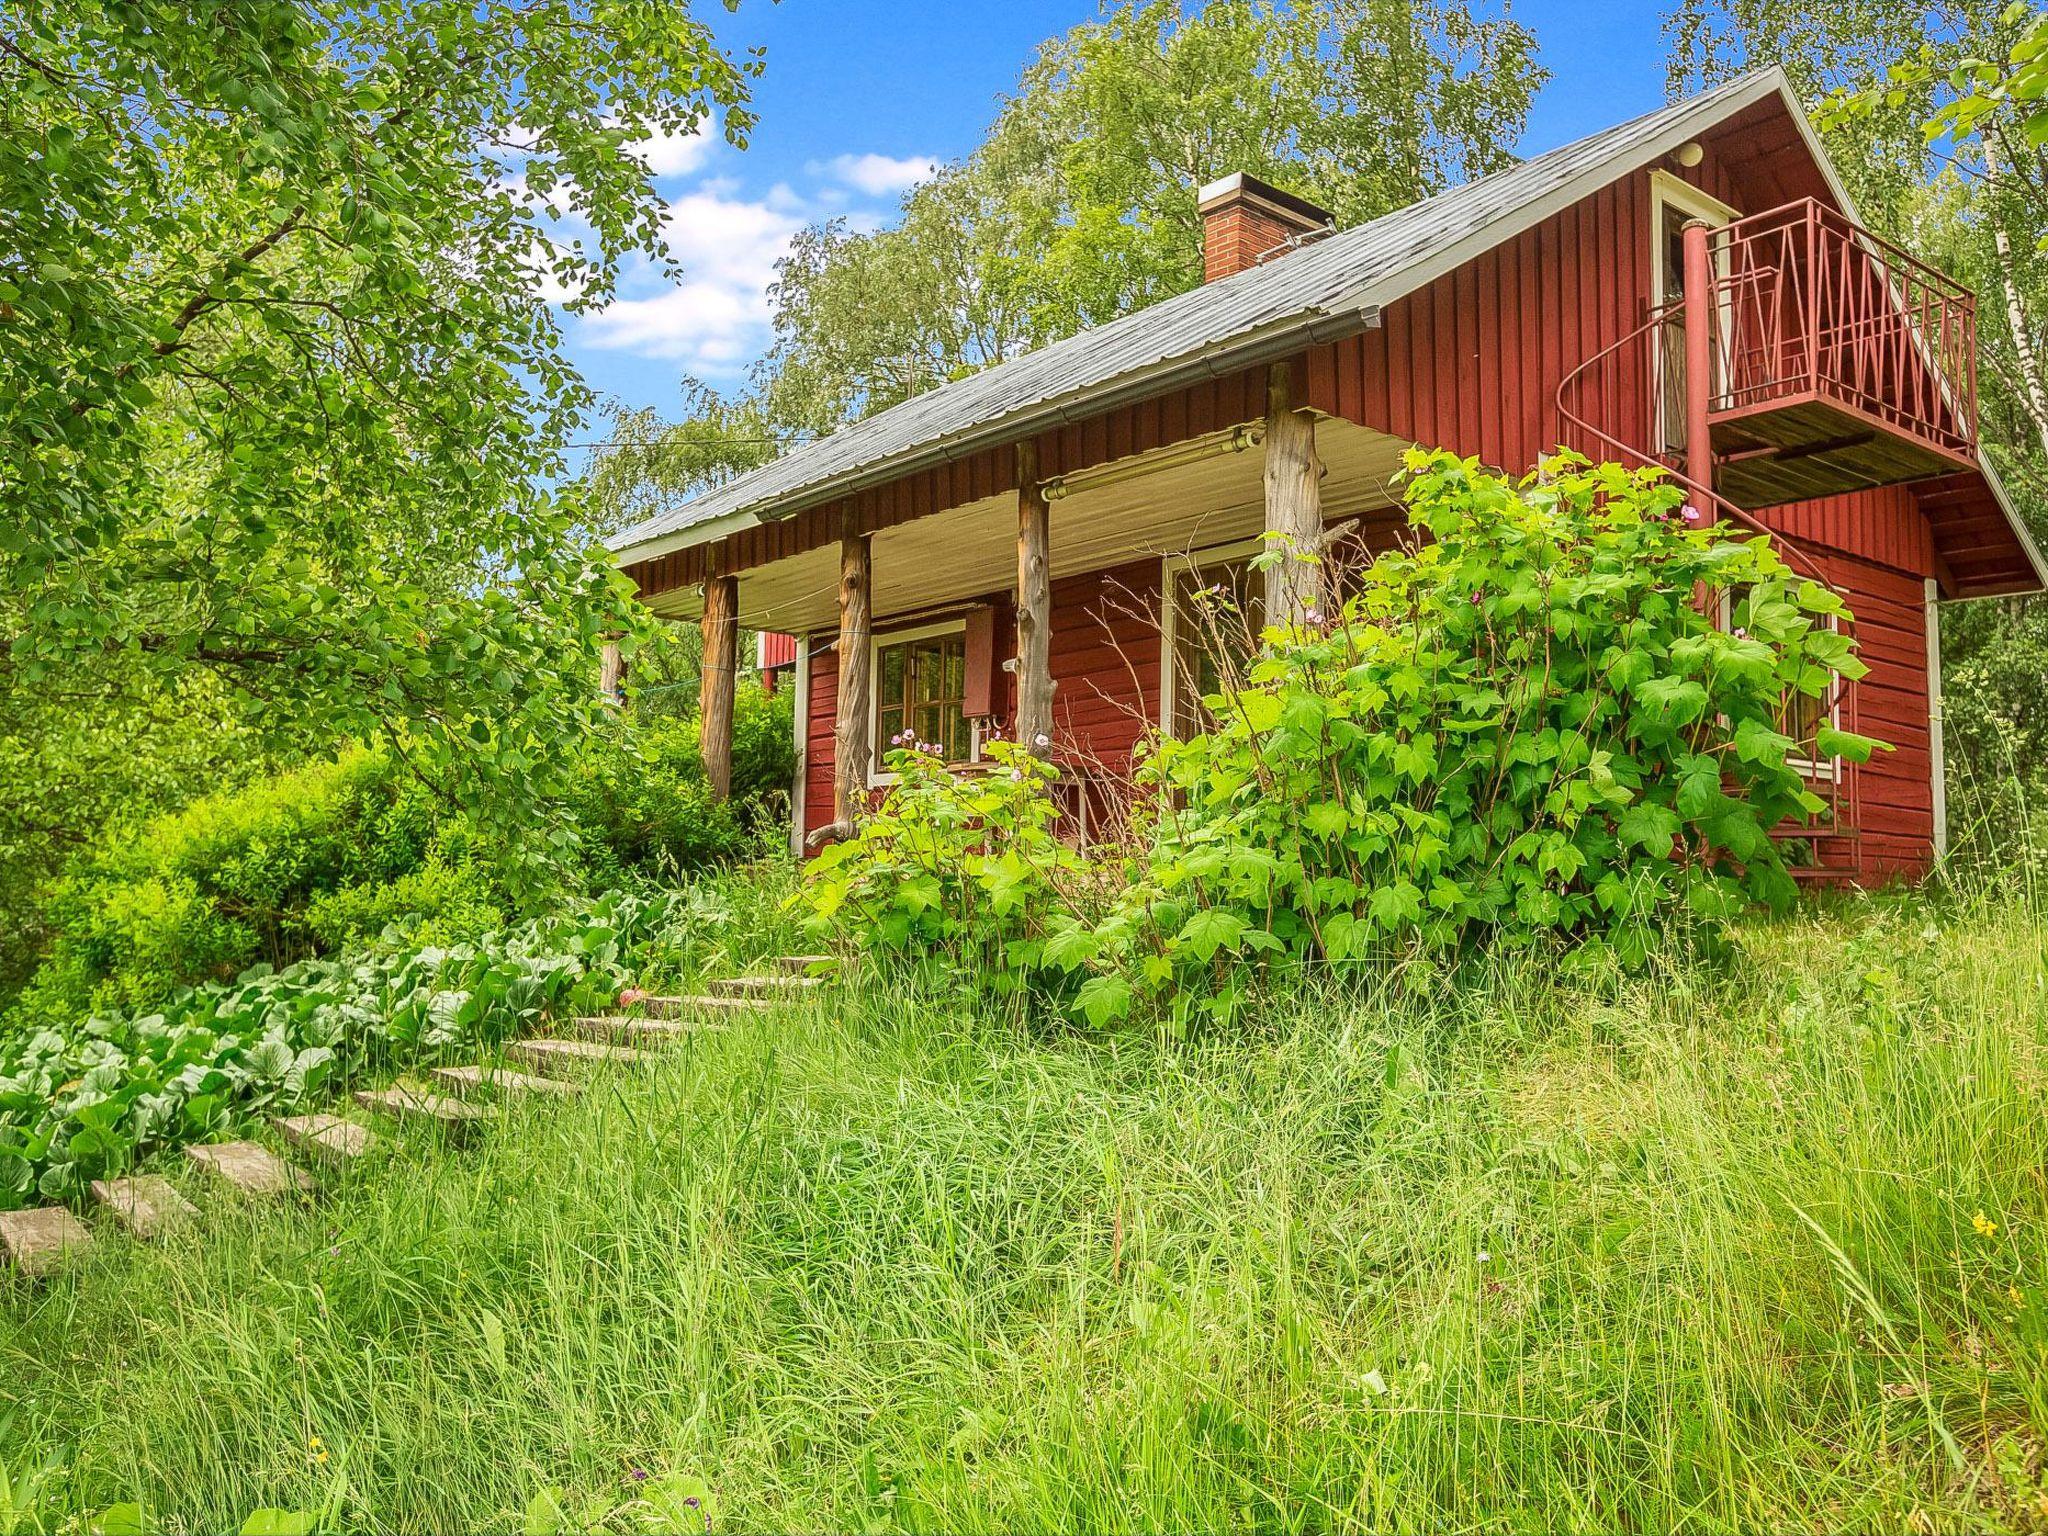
1016, 550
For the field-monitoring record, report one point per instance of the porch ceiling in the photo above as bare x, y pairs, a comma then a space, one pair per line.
970, 551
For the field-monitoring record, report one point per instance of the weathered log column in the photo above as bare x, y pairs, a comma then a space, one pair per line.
1034, 606
1700, 318
721, 664
1294, 505
611, 675
852, 744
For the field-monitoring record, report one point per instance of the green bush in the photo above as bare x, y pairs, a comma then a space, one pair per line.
327, 856
1528, 727
965, 869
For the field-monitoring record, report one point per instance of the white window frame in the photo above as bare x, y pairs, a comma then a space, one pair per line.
1807, 767
1196, 560
1689, 202
880, 641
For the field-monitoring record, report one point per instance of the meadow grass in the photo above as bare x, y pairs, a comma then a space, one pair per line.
1752, 1243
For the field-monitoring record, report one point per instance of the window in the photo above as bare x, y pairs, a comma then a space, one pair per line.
920, 687
1216, 608
1799, 715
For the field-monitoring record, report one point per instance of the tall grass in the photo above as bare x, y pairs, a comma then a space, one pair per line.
1735, 1245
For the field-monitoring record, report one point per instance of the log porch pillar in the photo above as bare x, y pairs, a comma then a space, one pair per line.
611, 675
852, 746
1034, 606
721, 626
1699, 363
1294, 505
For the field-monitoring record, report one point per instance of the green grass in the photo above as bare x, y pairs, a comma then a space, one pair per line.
1505, 1250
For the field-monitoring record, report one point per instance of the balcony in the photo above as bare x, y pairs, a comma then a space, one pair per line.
1838, 361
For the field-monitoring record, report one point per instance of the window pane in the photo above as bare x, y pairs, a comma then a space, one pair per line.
892, 674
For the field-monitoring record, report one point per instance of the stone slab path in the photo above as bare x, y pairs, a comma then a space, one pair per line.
38, 1241
250, 1167
144, 1204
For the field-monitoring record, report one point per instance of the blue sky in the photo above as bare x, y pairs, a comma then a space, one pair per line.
861, 96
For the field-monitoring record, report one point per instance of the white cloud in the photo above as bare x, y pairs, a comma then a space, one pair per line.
876, 175
717, 316
677, 154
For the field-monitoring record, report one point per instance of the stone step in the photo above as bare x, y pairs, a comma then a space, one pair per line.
624, 1029
328, 1137
145, 1203
454, 1117
559, 1058
800, 965
782, 985
701, 1005
37, 1241
470, 1080
248, 1166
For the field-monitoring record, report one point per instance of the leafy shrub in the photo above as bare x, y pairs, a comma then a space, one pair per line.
326, 856
82, 1103
960, 866
1528, 726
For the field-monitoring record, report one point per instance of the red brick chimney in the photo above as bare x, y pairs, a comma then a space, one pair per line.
1245, 221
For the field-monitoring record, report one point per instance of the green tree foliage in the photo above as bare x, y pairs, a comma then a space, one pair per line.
330, 855
1079, 206
1529, 727
278, 381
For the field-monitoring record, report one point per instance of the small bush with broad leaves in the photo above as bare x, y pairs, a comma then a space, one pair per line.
91, 1101
962, 867
1530, 723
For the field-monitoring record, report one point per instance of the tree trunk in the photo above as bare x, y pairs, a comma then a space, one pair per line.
1034, 607
2033, 389
1294, 505
721, 661
852, 736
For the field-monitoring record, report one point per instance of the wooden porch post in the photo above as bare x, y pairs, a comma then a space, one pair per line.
1294, 504
611, 675
721, 659
1699, 362
1034, 606
852, 746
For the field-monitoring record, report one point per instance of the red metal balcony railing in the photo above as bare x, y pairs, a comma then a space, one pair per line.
1813, 307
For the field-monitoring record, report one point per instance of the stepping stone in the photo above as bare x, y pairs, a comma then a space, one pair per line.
328, 1137
423, 1108
783, 985
691, 1007
248, 1166
624, 1028
38, 1241
468, 1080
800, 965
145, 1204
558, 1058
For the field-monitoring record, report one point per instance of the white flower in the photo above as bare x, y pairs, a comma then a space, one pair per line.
1484, 1256
1041, 739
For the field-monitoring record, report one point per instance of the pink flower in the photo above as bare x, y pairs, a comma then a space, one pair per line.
1692, 514
631, 996
1742, 634
1478, 598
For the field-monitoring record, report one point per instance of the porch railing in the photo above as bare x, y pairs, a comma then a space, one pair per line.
1811, 304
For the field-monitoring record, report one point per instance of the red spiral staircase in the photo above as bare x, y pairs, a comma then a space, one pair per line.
1805, 357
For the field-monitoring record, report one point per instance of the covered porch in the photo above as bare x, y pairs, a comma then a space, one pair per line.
1051, 609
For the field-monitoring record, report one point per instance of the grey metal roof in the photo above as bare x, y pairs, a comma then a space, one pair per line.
1350, 272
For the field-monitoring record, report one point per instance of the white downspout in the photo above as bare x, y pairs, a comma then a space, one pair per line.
800, 689
1935, 747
